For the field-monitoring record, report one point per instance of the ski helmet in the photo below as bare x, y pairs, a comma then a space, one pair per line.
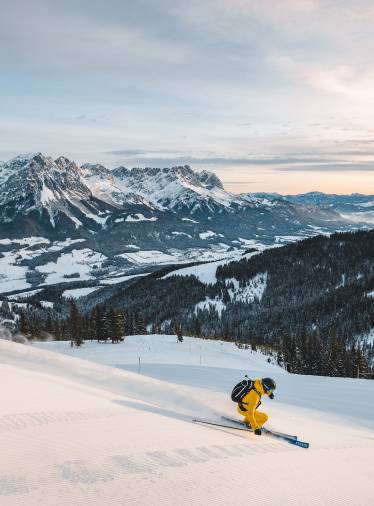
268, 384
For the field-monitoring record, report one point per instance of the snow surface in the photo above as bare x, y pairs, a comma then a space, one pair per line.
182, 234
139, 217
288, 238
253, 243
190, 220
77, 261
30, 241
365, 204
367, 217
217, 252
75, 293
76, 432
59, 245
121, 279
252, 290
209, 303
208, 234
47, 304
23, 295
171, 187
12, 276
46, 195
101, 184
148, 257
206, 273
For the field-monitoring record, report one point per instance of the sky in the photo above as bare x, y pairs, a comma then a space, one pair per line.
271, 95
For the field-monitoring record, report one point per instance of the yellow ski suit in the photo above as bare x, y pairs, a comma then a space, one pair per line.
250, 403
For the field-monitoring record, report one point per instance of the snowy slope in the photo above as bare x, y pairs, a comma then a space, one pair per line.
175, 187
76, 432
103, 185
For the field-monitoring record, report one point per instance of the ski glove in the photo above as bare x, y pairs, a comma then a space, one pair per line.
271, 395
258, 432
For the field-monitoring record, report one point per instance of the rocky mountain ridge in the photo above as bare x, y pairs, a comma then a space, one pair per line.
60, 221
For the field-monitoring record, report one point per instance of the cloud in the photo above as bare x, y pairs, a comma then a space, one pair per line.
331, 167
244, 182
275, 85
130, 152
136, 156
353, 82
329, 162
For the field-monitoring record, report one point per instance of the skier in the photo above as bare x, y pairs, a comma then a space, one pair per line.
248, 406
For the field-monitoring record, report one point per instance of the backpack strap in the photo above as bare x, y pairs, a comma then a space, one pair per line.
241, 403
259, 396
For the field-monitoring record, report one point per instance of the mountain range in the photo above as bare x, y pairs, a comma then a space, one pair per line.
61, 222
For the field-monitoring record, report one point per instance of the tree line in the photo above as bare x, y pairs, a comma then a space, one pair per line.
314, 314
101, 324
311, 355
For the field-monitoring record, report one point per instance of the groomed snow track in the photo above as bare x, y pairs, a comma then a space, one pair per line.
74, 432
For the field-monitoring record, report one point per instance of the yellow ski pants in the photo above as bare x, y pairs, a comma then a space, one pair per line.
255, 419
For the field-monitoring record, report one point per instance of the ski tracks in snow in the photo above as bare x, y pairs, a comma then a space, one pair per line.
126, 470
19, 421
81, 441
149, 475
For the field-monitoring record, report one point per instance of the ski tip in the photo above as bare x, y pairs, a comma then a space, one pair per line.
301, 444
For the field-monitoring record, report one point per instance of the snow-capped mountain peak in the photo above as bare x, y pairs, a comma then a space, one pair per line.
210, 180
15, 164
154, 209
38, 183
105, 186
175, 188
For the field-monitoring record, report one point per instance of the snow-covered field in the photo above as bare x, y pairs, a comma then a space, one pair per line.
178, 256
77, 261
80, 262
82, 426
76, 293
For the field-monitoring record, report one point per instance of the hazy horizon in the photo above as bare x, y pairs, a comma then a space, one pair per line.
271, 96
231, 186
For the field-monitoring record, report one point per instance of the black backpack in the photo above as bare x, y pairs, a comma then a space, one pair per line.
241, 389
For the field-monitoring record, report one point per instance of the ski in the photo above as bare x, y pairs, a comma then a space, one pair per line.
268, 431
295, 442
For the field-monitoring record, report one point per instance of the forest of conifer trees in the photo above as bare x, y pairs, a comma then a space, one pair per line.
313, 317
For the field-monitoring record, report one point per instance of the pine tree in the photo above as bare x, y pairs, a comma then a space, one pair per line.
178, 331
24, 326
114, 324
361, 366
48, 324
98, 324
105, 335
5, 311
75, 324
57, 329
119, 326
139, 323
